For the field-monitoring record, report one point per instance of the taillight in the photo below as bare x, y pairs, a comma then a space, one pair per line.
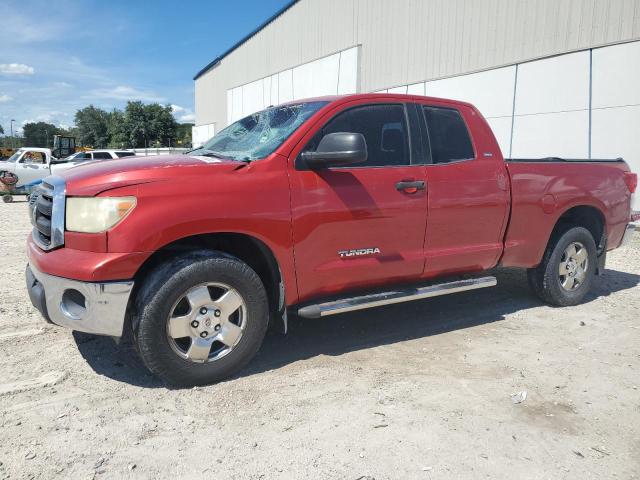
631, 179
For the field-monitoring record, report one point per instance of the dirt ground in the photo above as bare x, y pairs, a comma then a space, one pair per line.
414, 391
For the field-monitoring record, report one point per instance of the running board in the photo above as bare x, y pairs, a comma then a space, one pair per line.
388, 298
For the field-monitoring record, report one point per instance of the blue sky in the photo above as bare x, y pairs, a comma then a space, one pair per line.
57, 56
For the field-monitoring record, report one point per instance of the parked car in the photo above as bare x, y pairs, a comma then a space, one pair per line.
315, 208
82, 157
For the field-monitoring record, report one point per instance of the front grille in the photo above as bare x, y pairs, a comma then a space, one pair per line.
42, 217
47, 213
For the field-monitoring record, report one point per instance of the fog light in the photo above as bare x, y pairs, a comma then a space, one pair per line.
73, 304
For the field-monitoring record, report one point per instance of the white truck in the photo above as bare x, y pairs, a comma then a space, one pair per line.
26, 168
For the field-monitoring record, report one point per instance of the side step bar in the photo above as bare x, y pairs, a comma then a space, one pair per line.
387, 298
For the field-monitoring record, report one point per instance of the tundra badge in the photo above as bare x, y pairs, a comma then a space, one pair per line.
358, 252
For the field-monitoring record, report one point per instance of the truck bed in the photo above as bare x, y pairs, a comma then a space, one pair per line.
544, 189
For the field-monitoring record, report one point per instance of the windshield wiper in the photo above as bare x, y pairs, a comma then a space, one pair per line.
207, 153
214, 154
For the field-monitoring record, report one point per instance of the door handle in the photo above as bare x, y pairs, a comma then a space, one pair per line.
410, 186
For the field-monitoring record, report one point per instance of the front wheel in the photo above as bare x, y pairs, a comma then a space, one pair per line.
201, 317
567, 269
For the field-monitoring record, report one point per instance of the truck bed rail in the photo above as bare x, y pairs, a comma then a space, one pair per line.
567, 160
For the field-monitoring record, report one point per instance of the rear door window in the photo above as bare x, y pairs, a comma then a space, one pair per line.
124, 154
102, 156
448, 135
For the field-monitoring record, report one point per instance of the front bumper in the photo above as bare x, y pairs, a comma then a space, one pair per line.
91, 307
628, 235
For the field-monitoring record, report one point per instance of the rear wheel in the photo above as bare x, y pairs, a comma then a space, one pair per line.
7, 198
202, 317
567, 269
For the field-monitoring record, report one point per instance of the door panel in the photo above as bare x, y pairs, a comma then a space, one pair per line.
31, 168
467, 213
355, 227
339, 210
468, 195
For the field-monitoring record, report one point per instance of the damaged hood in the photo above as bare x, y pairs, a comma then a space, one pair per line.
95, 177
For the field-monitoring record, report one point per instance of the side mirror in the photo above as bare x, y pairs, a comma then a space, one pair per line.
336, 150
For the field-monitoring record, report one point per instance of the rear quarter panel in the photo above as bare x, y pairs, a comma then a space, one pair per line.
543, 191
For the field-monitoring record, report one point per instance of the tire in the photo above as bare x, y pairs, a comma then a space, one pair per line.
32, 199
546, 280
7, 198
163, 300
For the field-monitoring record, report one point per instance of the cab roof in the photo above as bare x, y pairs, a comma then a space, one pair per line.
400, 97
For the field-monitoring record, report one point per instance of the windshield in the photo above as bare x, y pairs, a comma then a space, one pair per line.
259, 134
14, 157
72, 157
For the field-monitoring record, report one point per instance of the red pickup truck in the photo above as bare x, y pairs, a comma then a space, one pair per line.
316, 207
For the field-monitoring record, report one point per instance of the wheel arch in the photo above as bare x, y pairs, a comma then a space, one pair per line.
251, 250
588, 216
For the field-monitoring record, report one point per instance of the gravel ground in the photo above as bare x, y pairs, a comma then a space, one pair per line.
414, 391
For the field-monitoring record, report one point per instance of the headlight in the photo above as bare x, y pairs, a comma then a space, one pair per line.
96, 214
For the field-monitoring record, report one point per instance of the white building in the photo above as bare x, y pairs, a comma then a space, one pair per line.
553, 77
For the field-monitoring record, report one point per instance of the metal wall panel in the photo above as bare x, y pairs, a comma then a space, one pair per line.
555, 84
329, 75
563, 134
615, 134
501, 127
616, 105
409, 41
616, 75
490, 91
202, 133
552, 108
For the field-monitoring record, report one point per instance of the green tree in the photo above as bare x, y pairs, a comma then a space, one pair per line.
73, 132
118, 137
11, 142
183, 135
135, 124
149, 125
93, 126
161, 124
1, 130
39, 134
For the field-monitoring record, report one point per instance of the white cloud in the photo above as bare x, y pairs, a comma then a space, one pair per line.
182, 114
16, 69
123, 92
29, 27
61, 85
188, 118
5, 98
55, 117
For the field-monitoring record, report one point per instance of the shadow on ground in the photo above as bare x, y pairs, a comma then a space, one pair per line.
359, 330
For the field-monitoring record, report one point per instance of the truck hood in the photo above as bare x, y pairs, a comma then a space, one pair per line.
95, 177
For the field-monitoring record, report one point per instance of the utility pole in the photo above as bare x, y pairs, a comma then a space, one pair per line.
13, 142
